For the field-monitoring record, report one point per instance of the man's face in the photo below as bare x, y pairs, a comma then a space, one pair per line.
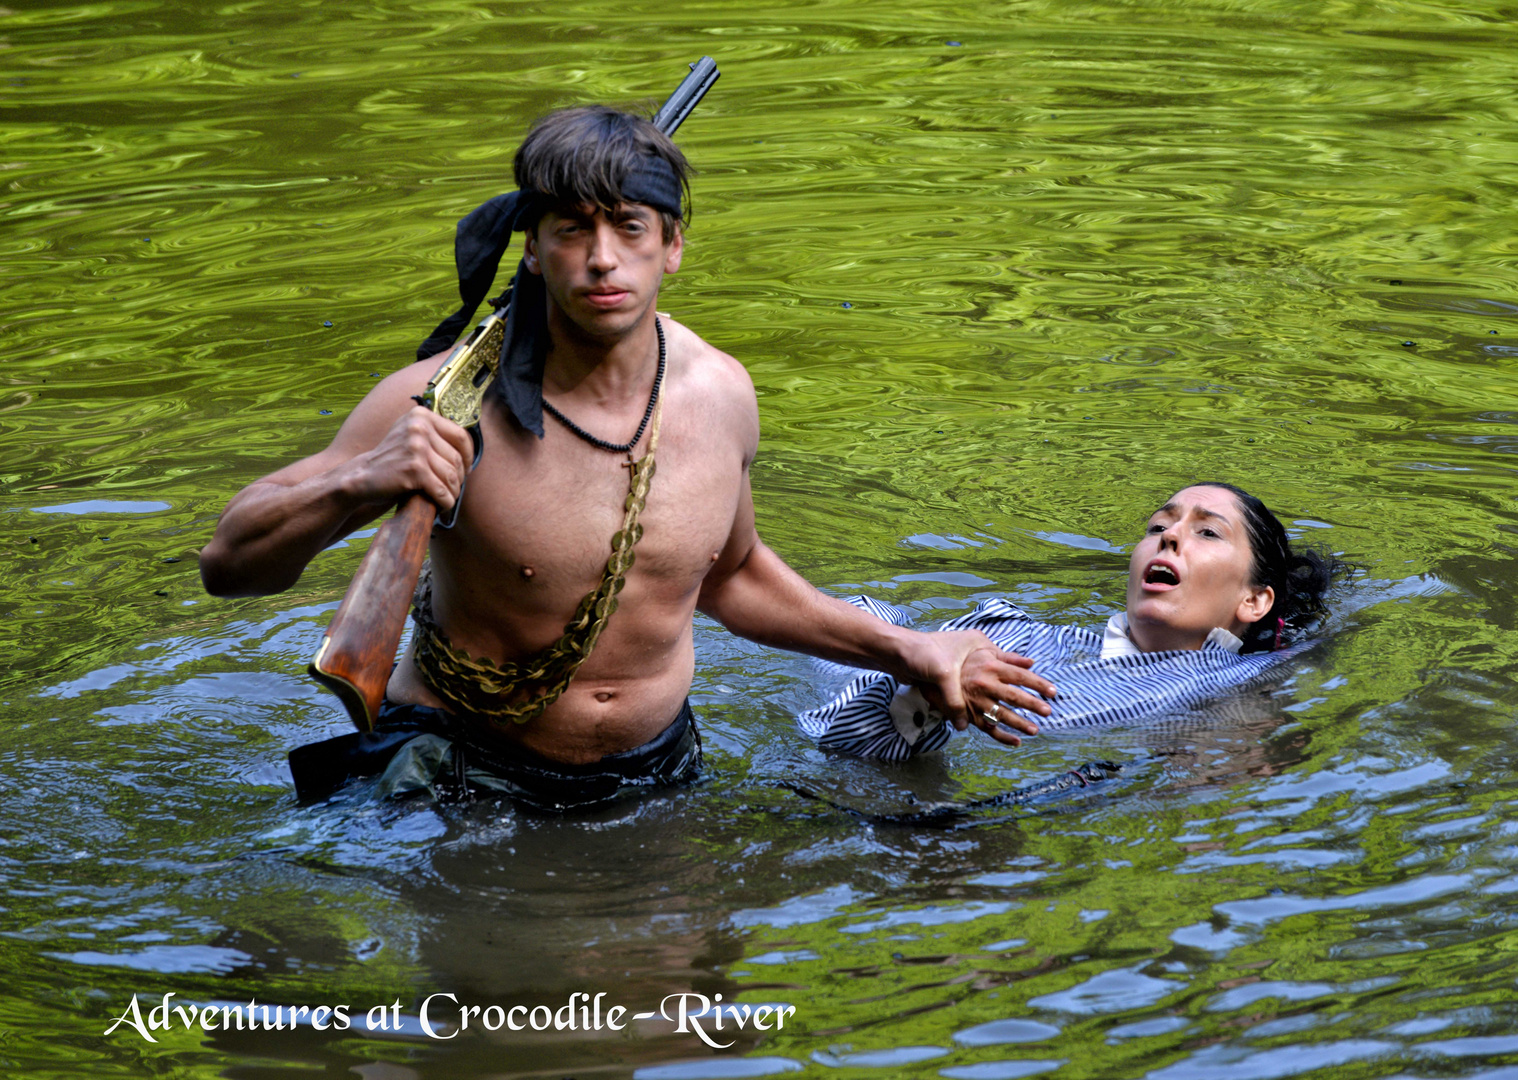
602, 270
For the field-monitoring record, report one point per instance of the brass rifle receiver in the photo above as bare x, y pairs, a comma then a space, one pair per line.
457, 390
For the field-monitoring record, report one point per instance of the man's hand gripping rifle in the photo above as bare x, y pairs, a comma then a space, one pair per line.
358, 650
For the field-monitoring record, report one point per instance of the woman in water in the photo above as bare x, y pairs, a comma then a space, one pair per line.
1216, 597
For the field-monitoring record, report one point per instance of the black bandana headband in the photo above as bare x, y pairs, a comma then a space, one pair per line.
482, 238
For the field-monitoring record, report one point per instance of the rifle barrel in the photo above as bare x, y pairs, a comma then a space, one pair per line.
703, 76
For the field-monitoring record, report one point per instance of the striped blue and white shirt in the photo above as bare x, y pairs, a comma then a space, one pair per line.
875, 716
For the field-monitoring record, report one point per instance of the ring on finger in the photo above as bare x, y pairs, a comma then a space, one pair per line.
992, 715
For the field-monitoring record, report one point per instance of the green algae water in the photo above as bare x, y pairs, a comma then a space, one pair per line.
1005, 275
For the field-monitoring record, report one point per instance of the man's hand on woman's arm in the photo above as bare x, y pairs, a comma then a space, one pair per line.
971, 681
753, 593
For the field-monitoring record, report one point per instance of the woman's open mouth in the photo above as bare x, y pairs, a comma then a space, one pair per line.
1160, 576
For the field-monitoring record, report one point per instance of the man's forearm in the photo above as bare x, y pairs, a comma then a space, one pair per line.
766, 601
271, 531
962, 671
386, 449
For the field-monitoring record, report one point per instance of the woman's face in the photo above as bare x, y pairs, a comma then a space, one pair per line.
1191, 572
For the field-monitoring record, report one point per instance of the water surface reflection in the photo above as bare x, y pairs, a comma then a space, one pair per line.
1001, 278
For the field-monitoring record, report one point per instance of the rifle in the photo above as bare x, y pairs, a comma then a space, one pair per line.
358, 649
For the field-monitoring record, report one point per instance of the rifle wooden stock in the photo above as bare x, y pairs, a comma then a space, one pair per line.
356, 654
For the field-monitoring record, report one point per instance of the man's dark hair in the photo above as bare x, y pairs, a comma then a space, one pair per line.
1300, 577
585, 155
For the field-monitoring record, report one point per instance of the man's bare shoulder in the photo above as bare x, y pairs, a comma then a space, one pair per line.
399, 386
386, 402
719, 379
366, 425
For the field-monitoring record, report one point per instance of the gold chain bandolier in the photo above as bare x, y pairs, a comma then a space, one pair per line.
521, 691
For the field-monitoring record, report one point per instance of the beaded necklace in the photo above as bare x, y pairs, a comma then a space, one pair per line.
653, 399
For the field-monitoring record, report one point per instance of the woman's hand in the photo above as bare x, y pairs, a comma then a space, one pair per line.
967, 678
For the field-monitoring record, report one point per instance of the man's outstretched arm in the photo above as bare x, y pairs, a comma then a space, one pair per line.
753, 593
388, 447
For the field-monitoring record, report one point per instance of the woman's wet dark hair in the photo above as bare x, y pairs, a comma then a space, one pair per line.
1301, 578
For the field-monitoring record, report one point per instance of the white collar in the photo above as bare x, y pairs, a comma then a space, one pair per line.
1116, 642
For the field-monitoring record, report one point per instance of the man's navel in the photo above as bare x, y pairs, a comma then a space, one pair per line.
527, 571
603, 696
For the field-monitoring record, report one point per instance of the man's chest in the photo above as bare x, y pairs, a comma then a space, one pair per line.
547, 510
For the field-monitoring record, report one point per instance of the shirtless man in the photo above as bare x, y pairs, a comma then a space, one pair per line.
532, 536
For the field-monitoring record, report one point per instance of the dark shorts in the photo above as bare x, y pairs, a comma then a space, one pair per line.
415, 748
